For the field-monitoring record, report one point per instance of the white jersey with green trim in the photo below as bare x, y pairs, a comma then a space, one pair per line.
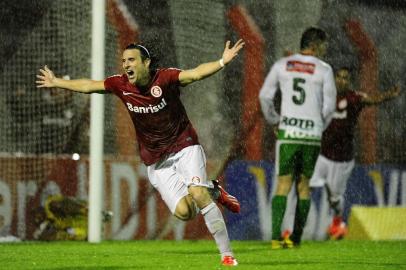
308, 96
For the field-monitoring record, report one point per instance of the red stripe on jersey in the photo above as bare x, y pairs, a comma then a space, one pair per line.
300, 67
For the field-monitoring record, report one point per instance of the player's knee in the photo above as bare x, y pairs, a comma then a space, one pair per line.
283, 187
304, 192
183, 214
303, 188
186, 209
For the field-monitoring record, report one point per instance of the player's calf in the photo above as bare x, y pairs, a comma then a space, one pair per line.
217, 227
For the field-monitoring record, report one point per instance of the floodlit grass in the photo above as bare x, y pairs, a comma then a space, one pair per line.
352, 255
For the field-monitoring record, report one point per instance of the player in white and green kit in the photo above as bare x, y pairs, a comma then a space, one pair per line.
307, 106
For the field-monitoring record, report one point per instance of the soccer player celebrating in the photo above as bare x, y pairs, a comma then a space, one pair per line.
307, 106
167, 141
336, 159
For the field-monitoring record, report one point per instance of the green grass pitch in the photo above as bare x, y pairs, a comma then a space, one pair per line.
351, 255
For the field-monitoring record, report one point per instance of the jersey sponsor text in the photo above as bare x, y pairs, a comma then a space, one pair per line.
297, 122
299, 66
149, 109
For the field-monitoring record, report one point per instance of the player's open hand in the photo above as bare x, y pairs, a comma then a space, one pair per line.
46, 78
230, 53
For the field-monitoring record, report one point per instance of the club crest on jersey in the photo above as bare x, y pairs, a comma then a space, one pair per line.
195, 179
156, 91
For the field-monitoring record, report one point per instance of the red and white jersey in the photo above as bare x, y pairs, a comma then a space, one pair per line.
337, 139
158, 115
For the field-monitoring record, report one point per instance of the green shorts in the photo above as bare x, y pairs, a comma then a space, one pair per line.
296, 158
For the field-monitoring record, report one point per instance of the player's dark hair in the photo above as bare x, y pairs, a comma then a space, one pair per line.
312, 35
145, 54
143, 50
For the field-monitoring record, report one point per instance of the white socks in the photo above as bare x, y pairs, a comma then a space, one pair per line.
215, 223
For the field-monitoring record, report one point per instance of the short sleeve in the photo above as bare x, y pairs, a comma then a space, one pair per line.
171, 76
356, 100
110, 84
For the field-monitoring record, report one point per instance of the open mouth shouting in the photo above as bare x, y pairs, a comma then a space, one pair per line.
130, 74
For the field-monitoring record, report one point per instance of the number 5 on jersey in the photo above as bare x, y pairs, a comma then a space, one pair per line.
299, 97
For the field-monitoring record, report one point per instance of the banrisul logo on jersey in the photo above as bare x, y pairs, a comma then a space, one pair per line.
297, 128
147, 109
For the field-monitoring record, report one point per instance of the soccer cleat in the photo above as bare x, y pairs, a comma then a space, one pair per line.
276, 244
337, 230
229, 261
283, 242
228, 201
286, 241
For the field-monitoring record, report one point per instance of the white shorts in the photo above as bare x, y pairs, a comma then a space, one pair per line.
173, 175
333, 174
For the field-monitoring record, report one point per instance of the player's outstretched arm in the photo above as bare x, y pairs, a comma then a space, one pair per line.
47, 79
378, 98
204, 70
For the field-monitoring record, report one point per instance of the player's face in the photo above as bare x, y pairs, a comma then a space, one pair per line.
137, 70
342, 80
